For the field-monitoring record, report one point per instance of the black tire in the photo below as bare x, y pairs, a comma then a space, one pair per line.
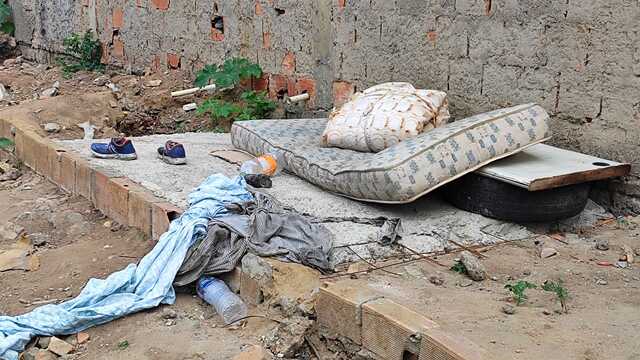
500, 200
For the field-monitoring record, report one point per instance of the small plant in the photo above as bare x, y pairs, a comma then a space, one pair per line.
518, 289
459, 267
6, 26
5, 143
123, 345
84, 53
232, 102
562, 294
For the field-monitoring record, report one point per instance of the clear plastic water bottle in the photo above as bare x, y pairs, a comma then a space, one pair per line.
268, 164
225, 301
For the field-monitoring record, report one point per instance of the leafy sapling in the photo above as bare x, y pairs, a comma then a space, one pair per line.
518, 289
562, 294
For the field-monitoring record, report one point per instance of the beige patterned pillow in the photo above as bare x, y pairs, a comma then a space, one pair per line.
384, 115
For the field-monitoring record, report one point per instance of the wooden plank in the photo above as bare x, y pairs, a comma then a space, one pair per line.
542, 166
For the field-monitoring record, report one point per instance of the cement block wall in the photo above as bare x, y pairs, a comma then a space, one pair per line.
579, 59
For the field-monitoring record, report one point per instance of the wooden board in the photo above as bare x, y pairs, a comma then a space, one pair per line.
542, 166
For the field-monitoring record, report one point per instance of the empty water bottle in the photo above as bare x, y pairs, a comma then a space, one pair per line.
226, 302
268, 164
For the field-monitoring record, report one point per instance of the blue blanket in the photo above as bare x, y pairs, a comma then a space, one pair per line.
135, 288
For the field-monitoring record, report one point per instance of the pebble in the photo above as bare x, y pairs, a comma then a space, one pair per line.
601, 282
475, 269
52, 127
548, 252
154, 83
546, 312
465, 283
59, 346
602, 244
169, 314
50, 92
436, 279
101, 81
82, 337
508, 309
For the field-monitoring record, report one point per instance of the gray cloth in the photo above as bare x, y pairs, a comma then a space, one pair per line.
262, 227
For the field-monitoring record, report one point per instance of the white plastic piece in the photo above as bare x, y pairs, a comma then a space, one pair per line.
298, 98
189, 107
191, 91
89, 130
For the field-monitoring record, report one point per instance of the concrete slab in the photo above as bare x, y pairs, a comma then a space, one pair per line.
428, 223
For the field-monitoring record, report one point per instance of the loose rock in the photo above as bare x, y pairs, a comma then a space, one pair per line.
101, 81
4, 93
45, 355
52, 127
628, 252
50, 92
59, 346
548, 252
82, 337
43, 342
436, 279
508, 309
602, 244
601, 282
475, 269
169, 314
255, 352
153, 83
288, 338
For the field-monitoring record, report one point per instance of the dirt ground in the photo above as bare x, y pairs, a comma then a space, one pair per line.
74, 251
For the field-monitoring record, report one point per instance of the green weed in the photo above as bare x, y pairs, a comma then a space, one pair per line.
459, 267
562, 294
5, 143
6, 25
123, 345
84, 53
231, 102
518, 289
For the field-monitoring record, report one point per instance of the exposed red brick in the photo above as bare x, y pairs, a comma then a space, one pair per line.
432, 36
342, 4
118, 18
161, 4
289, 63
118, 48
261, 84
216, 35
292, 88
173, 61
258, 8
278, 84
307, 85
342, 91
266, 40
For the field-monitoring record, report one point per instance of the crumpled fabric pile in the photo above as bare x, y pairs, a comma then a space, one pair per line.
137, 287
262, 227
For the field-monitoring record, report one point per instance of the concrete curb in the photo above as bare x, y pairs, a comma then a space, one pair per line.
117, 197
388, 329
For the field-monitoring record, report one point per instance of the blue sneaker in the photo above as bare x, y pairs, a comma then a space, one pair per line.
117, 148
172, 153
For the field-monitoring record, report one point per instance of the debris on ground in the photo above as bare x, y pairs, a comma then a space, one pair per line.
5, 95
288, 338
475, 270
508, 309
82, 338
19, 256
628, 253
52, 127
254, 352
548, 252
602, 244
436, 279
59, 346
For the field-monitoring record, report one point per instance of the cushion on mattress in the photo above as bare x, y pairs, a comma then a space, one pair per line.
405, 171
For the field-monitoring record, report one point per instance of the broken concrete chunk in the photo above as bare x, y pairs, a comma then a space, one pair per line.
50, 92
82, 337
101, 81
628, 252
59, 346
548, 252
153, 83
45, 355
475, 269
43, 342
190, 107
287, 338
51, 127
4, 93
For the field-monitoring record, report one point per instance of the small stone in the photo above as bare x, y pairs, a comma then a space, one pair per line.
548, 252
113, 104
189, 107
43, 342
628, 252
436, 279
59, 346
602, 244
170, 323
508, 309
38, 239
494, 278
153, 83
114, 88
169, 314
601, 282
52, 127
465, 283
4, 93
82, 337
475, 269
101, 81
50, 92
526, 272
45, 355
637, 251
255, 352
546, 312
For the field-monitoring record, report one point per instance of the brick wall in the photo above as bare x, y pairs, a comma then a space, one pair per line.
579, 59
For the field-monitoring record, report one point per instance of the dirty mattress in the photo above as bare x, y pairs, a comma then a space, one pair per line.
405, 171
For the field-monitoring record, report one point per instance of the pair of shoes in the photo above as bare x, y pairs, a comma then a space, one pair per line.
122, 149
